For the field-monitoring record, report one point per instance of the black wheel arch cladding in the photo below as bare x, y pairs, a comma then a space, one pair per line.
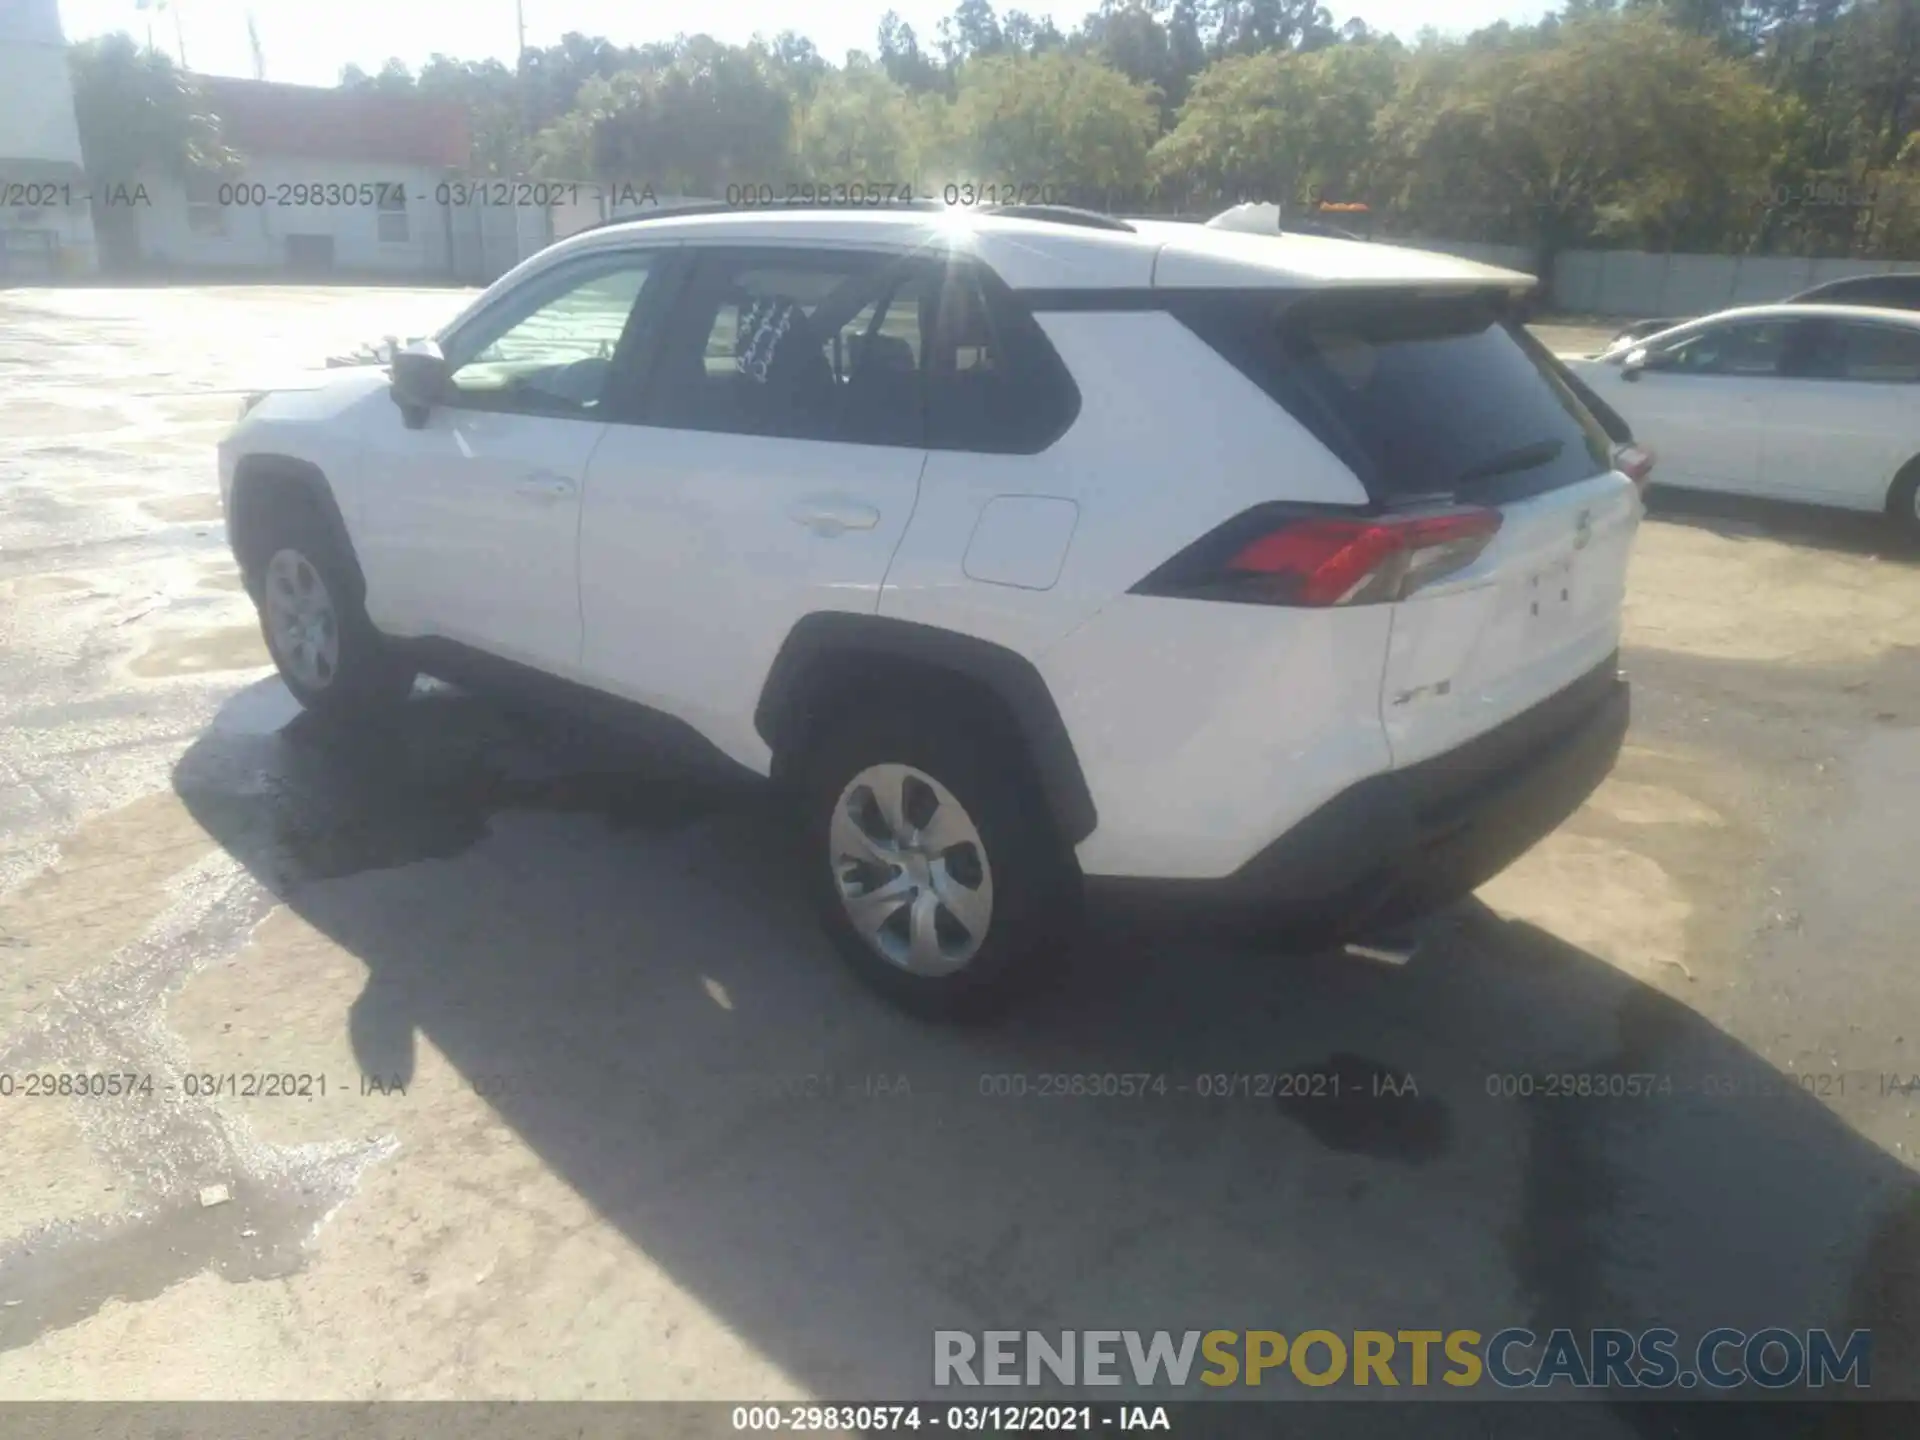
257, 479
821, 644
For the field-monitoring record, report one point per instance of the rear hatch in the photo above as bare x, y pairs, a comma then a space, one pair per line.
1442, 405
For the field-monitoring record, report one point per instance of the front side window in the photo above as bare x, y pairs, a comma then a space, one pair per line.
552, 351
1754, 347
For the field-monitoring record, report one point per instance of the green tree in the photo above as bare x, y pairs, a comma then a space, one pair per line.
1149, 42
1249, 27
714, 116
906, 64
795, 64
972, 29
1280, 126
1026, 35
140, 119
858, 125
491, 95
1052, 119
553, 75
137, 111
394, 78
1613, 125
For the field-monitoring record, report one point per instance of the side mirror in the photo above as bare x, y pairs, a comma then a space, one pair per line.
1636, 360
419, 380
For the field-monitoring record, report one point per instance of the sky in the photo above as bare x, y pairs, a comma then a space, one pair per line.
307, 44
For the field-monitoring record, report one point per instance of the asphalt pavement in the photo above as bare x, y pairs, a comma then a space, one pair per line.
556, 1094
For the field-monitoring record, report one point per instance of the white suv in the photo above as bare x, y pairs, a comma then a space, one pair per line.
1022, 548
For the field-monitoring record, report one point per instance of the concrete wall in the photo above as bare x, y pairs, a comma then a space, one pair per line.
1634, 283
1510, 257
489, 240
255, 236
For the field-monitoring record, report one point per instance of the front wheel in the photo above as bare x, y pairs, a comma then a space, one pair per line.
932, 864
325, 648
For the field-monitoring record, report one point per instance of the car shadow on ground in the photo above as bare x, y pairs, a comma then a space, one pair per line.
621, 938
1849, 532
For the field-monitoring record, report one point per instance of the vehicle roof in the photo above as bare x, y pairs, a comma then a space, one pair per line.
1895, 279
1036, 254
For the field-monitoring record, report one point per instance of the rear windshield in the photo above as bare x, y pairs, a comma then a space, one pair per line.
1422, 396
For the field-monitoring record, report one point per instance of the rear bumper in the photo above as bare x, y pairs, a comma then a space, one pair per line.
1399, 845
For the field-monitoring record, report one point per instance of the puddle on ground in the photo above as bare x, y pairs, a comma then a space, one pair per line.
181, 508
1367, 1108
377, 811
112, 491
40, 587
94, 453
237, 647
335, 801
42, 417
60, 1276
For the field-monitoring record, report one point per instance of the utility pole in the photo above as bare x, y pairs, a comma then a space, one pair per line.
526, 90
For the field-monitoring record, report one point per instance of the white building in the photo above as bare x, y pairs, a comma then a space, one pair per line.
333, 181
45, 221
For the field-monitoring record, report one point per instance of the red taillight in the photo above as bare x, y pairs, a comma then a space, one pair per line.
1356, 562
1635, 462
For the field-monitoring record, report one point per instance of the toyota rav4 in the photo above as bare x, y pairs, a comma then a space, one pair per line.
1020, 549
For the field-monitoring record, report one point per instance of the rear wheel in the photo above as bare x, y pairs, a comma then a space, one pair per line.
931, 860
1903, 502
316, 630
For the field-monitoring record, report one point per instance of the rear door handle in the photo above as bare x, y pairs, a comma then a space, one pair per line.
545, 485
833, 515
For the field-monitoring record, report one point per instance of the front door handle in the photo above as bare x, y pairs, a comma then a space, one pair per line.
833, 515
545, 485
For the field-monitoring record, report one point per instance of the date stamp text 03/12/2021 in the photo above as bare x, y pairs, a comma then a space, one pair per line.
239, 193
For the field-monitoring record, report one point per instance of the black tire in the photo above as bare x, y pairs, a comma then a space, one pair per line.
1035, 883
370, 678
1903, 503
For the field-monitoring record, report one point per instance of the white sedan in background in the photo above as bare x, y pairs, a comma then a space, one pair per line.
1814, 403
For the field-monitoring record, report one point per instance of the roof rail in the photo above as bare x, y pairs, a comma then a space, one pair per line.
1061, 215
1050, 214
721, 207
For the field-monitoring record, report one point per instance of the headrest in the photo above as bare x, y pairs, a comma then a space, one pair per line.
767, 330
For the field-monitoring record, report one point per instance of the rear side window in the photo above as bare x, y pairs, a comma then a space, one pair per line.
1880, 353
1421, 396
995, 385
